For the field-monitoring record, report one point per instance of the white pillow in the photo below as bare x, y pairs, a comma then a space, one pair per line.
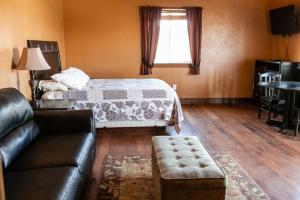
49, 95
51, 86
77, 71
72, 77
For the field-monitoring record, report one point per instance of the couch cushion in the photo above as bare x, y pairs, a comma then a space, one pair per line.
18, 140
48, 183
54, 150
14, 110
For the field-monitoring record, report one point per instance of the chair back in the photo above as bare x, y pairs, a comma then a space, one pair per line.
269, 77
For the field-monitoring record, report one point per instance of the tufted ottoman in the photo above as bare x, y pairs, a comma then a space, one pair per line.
182, 169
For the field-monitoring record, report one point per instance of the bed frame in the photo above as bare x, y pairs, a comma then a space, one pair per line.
50, 50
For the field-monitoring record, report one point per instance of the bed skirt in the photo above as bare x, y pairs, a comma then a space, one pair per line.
144, 123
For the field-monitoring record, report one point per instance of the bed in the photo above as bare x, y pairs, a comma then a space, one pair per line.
144, 102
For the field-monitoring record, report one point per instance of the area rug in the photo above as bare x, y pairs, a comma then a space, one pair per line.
129, 178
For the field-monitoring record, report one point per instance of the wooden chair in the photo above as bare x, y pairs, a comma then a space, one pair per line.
269, 98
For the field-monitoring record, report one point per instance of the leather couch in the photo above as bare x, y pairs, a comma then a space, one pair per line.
45, 154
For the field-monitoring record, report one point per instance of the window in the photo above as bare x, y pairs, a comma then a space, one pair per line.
173, 42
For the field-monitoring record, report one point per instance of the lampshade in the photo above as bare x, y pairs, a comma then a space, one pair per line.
32, 59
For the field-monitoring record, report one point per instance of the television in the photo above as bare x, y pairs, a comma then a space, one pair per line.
284, 20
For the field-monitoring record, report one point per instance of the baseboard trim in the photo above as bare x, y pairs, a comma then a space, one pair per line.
227, 101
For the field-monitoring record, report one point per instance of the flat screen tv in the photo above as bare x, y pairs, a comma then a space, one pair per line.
284, 21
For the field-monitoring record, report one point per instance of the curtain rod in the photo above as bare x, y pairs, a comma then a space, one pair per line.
173, 9
180, 7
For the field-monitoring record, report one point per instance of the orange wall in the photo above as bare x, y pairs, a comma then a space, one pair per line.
20, 21
103, 38
279, 42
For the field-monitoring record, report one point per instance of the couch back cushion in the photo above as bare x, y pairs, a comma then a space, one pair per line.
14, 110
16, 141
17, 128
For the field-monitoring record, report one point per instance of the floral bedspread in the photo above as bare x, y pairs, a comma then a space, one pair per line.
127, 99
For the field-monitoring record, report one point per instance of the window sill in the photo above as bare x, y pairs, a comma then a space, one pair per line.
169, 65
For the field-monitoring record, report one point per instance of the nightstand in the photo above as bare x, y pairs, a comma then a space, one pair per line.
55, 104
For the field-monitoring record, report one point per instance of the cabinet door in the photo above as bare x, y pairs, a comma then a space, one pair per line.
287, 71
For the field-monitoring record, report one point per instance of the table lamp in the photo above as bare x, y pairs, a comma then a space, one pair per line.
33, 60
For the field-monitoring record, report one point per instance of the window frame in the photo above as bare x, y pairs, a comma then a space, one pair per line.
173, 14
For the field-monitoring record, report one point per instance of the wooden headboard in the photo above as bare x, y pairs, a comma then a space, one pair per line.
50, 51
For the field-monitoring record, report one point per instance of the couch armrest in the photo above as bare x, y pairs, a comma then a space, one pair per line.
65, 121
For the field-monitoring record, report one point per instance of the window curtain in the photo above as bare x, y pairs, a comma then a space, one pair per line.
150, 24
194, 21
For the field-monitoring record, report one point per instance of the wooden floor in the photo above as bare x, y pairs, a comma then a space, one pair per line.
271, 159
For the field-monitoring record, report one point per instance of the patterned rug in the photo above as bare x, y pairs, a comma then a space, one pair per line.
129, 178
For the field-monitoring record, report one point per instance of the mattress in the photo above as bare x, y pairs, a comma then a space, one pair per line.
116, 101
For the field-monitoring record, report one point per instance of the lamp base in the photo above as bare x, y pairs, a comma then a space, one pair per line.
33, 85
33, 75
